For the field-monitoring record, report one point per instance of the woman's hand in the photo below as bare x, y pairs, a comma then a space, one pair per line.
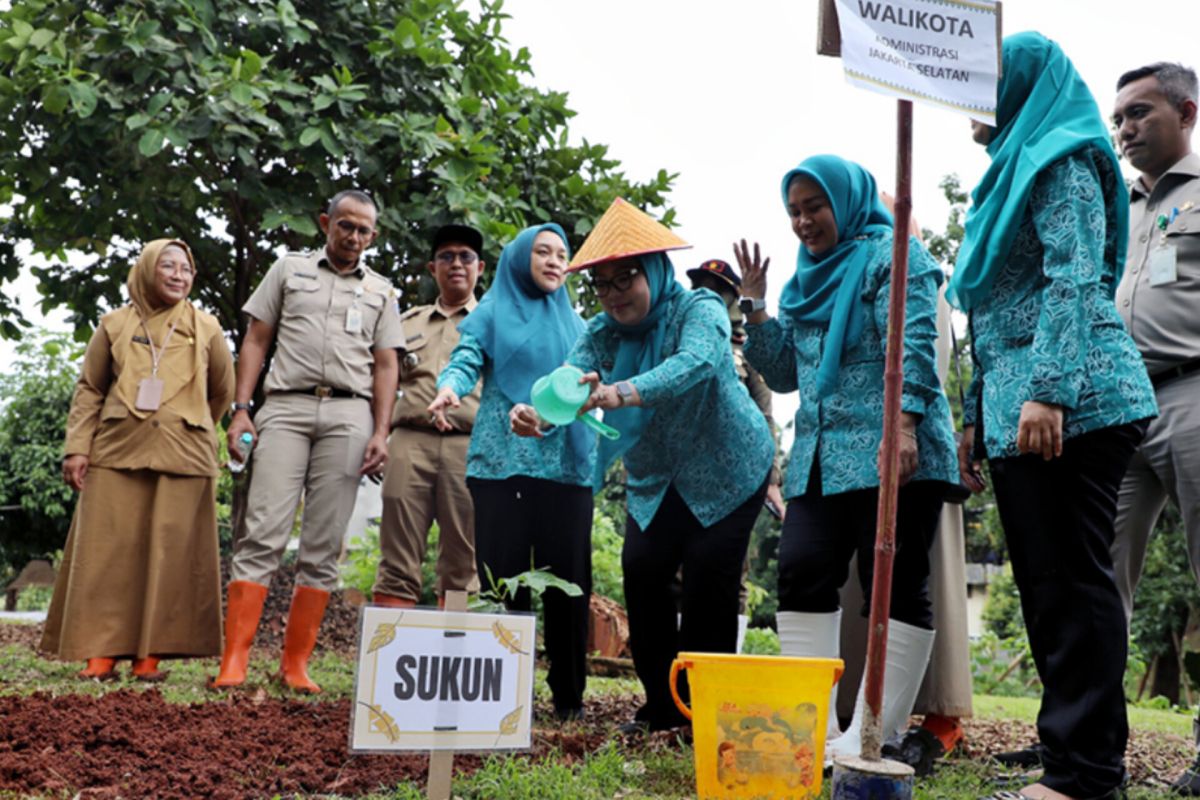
74, 470
524, 421
605, 396
968, 470
754, 270
1040, 429
909, 452
446, 398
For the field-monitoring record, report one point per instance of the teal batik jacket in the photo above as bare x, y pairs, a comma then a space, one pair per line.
844, 430
495, 452
1049, 330
706, 436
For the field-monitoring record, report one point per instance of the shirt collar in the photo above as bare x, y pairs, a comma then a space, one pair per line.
322, 258
439, 309
1188, 167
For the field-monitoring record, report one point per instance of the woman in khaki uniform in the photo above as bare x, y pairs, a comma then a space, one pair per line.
140, 576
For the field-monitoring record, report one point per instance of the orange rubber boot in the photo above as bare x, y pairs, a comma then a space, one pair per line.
146, 669
391, 601
304, 621
101, 669
948, 730
245, 604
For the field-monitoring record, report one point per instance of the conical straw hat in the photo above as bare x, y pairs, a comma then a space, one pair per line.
624, 231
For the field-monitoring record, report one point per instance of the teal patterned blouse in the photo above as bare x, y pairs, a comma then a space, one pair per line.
706, 436
1049, 329
844, 430
496, 452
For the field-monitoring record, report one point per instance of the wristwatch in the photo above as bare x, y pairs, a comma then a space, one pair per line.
243, 406
624, 391
749, 305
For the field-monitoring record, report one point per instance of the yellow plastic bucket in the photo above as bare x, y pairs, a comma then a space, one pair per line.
758, 723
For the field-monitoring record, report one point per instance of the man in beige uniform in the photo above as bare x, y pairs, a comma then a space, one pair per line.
331, 387
1159, 298
426, 477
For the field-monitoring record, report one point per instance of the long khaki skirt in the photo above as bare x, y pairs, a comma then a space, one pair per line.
141, 573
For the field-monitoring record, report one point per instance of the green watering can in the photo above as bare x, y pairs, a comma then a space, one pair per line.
557, 398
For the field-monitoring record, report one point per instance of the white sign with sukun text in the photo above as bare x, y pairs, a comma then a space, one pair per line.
434, 680
940, 52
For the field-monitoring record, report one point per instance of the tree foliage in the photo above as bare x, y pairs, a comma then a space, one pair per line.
36, 504
229, 124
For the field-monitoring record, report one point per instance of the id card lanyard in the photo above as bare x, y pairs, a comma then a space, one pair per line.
150, 390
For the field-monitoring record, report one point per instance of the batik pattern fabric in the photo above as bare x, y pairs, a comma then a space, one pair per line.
706, 437
1049, 330
845, 429
496, 452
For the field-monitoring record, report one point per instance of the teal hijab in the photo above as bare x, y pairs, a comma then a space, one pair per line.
826, 290
525, 331
639, 350
1044, 112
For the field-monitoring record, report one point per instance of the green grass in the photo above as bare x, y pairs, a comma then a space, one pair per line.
614, 771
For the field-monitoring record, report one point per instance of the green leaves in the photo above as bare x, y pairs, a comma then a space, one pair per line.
151, 142
231, 124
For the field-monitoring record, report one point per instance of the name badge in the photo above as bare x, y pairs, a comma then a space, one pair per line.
1162, 266
353, 319
149, 396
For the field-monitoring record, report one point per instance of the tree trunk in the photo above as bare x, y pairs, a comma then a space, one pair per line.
1165, 682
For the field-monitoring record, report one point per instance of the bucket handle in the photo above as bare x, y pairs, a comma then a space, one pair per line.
677, 665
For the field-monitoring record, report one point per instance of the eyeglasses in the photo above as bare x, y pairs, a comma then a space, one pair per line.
176, 269
448, 257
621, 282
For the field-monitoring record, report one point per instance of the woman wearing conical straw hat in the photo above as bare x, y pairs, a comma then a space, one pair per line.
829, 344
1059, 399
140, 575
533, 501
696, 449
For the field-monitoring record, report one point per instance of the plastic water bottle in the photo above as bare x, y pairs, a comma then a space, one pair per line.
245, 444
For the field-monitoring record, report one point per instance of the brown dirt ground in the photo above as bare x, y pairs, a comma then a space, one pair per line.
135, 744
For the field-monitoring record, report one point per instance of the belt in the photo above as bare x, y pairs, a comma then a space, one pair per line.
1170, 374
322, 391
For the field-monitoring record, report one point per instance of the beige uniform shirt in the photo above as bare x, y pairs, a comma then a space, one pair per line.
100, 426
326, 323
1164, 317
431, 336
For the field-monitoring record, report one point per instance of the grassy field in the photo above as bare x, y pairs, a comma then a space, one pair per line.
616, 770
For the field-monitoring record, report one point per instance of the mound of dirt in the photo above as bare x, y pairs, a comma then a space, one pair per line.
134, 744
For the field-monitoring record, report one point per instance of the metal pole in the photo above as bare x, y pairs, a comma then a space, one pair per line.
889, 473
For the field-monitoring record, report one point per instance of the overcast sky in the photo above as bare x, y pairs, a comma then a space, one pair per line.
732, 95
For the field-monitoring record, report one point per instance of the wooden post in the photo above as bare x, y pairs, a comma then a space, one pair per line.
889, 474
441, 762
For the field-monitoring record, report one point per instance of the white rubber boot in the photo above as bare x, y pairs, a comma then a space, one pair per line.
908, 649
812, 636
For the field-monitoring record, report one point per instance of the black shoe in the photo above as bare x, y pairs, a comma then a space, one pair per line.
1188, 784
918, 748
635, 727
1029, 758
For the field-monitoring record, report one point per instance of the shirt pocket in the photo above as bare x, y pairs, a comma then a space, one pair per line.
372, 305
301, 297
412, 357
1184, 235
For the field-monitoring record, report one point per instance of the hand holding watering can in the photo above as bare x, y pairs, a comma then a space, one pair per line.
559, 398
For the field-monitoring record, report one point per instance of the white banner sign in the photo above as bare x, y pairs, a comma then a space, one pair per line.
433, 680
942, 52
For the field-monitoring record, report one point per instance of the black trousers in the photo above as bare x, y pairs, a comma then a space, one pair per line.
1058, 522
524, 522
712, 574
821, 533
